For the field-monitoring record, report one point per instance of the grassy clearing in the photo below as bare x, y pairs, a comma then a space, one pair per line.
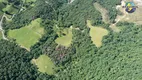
28, 35
97, 34
65, 37
10, 9
0, 35
103, 11
45, 65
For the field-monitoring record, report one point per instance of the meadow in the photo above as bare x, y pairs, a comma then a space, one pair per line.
28, 35
44, 64
65, 37
96, 33
10, 9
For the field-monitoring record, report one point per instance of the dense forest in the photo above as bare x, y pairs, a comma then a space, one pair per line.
119, 58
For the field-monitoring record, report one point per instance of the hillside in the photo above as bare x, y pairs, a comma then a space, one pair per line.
70, 40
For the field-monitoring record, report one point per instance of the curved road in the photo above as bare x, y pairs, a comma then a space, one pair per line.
1, 28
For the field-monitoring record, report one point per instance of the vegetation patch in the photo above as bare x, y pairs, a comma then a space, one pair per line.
65, 37
10, 9
0, 35
45, 65
28, 35
3, 0
96, 33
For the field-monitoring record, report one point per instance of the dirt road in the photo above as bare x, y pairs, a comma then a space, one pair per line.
1, 28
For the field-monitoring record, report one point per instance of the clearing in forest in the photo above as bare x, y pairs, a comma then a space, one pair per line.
65, 37
97, 34
10, 9
0, 35
103, 11
28, 35
44, 64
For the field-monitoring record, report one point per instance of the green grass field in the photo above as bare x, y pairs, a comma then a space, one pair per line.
64, 40
28, 35
10, 9
97, 34
0, 35
45, 65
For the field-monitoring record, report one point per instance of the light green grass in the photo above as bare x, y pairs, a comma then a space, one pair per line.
97, 34
28, 35
65, 40
45, 65
10, 9
3, 1
0, 35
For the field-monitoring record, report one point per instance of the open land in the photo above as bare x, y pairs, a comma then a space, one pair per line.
96, 33
28, 35
65, 37
44, 64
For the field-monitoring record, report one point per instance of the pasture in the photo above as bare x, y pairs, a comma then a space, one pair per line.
27, 36
96, 33
45, 65
65, 37
10, 9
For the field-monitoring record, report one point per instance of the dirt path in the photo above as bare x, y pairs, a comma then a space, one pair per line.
1, 28
119, 17
1, 23
70, 1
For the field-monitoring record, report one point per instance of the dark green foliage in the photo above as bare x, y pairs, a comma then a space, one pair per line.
77, 13
45, 9
2, 6
46, 41
15, 63
110, 5
118, 59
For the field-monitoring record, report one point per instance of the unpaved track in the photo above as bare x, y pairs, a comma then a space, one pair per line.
119, 17
1, 28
